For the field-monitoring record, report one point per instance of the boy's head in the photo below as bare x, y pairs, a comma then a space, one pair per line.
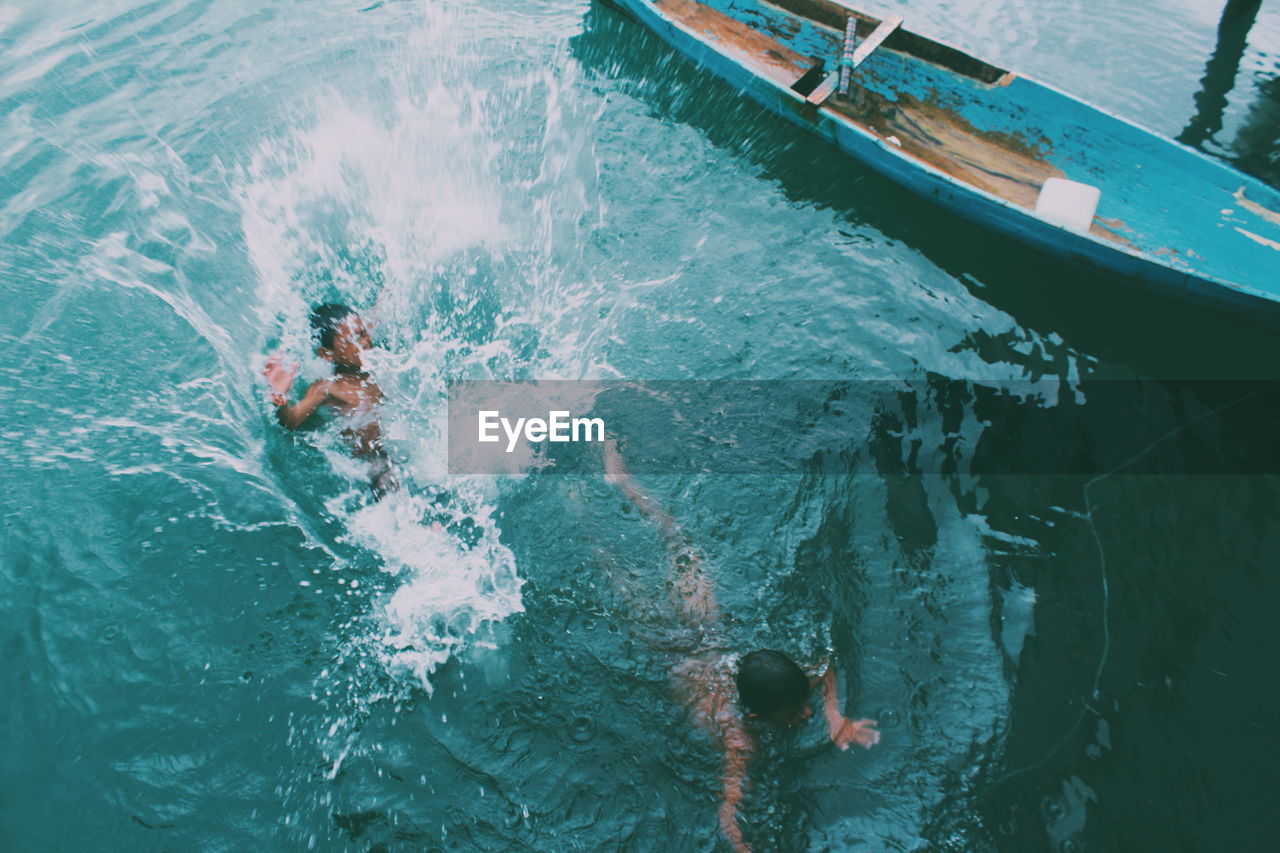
340, 334
773, 687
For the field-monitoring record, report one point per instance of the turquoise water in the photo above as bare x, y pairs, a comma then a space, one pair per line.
214, 641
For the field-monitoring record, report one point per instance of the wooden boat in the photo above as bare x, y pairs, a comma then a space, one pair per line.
986, 143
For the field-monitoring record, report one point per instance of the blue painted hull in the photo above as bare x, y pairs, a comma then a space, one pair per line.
1177, 222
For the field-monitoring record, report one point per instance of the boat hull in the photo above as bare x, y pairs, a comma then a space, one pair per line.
1158, 274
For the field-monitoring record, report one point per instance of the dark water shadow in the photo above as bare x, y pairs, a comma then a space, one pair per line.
1140, 701
1256, 148
1220, 72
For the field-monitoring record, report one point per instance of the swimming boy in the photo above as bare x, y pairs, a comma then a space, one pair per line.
342, 339
767, 686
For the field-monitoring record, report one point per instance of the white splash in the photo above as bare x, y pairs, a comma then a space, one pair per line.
451, 595
425, 206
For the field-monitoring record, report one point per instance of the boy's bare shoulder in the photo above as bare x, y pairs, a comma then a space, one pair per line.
325, 385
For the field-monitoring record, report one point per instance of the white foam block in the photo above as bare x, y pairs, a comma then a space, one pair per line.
1068, 203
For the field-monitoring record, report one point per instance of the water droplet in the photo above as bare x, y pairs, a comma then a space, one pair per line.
888, 718
1052, 809
538, 708
583, 729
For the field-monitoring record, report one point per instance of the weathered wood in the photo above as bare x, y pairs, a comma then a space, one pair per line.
868, 46
747, 46
832, 14
825, 89
882, 32
1012, 168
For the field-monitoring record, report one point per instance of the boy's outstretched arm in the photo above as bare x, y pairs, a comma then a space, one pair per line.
843, 730
280, 379
737, 755
616, 473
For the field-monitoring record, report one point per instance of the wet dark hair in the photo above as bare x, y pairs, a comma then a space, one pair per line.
325, 320
769, 682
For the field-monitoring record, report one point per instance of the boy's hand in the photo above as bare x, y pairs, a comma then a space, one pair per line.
862, 732
279, 376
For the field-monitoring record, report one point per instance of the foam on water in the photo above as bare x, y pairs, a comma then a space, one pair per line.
451, 594
346, 172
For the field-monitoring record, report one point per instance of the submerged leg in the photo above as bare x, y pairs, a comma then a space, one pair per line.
382, 477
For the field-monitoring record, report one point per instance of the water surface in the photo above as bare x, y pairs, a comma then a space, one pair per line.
214, 641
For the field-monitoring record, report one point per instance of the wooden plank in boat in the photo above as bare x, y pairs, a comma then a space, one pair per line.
833, 13
868, 46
